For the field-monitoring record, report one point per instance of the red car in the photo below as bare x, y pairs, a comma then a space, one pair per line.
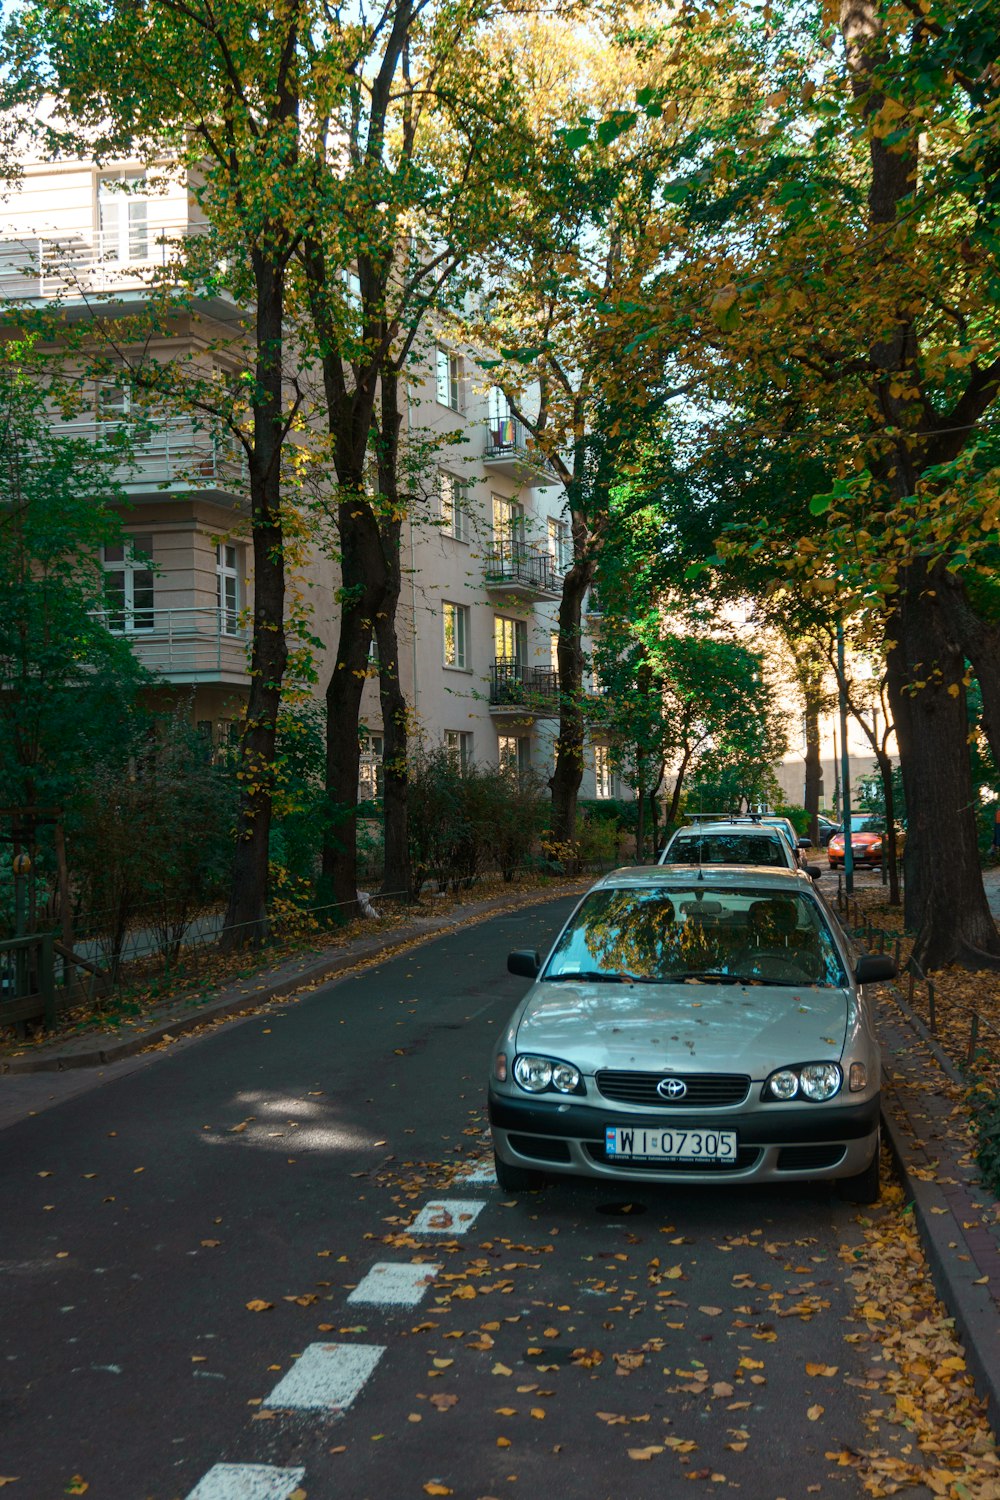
866, 844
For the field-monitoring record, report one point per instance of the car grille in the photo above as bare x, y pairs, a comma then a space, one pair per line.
746, 1157
704, 1090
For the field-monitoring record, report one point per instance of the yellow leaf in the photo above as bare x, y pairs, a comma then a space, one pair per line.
644, 1454
538, 1413
815, 1412
500, 1370
821, 1369
503, 1442
259, 1305
77, 1486
442, 1364
437, 1489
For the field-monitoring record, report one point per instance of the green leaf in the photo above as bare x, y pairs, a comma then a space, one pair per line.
577, 138
609, 130
820, 504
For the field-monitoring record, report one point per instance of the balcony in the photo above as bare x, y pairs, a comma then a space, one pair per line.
508, 451
175, 454
75, 265
522, 572
186, 645
518, 688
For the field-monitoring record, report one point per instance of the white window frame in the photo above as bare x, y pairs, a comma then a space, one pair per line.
228, 586
458, 744
135, 612
559, 543
604, 776
514, 752
455, 636
122, 219
453, 496
509, 527
518, 635
448, 378
370, 778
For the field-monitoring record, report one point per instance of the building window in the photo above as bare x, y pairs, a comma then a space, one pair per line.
370, 767
122, 212
456, 635
449, 379
227, 576
514, 752
559, 544
604, 781
554, 651
510, 640
458, 744
112, 403
454, 507
508, 527
128, 584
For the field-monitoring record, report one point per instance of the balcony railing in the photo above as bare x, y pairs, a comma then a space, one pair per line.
184, 645
508, 448
175, 451
516, 563
88, 262
514, 684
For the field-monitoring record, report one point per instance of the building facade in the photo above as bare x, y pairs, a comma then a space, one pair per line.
485, 544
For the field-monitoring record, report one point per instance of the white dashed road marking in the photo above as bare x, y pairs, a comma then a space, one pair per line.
394, 1285
447, 1216
247, 1482
326, 1377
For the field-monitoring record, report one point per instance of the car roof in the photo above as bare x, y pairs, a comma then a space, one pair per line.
682, 877
762, 830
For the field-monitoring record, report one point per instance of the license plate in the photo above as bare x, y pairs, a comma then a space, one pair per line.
626, 1144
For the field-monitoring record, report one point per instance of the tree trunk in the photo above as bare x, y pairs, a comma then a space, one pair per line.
981, 642
945, 902
246, 915
567, 773
362, 590
675, 798
889, 802
396, 874
813, 765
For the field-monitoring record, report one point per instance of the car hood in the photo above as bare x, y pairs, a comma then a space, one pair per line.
684, 1027
863, 836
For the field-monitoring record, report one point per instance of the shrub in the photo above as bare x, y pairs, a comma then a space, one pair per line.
984, 1104
465, 821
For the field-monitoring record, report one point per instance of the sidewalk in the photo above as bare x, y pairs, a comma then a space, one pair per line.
957, 1215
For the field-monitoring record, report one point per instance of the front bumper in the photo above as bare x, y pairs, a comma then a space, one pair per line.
775, 1143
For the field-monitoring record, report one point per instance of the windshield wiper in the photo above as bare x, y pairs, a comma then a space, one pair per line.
592, 976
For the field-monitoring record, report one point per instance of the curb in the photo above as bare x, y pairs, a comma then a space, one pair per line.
961, 1242
277, 984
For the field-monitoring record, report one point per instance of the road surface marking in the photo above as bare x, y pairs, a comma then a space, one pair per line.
326, 1377
394, 1285
247, 1482
447, 1216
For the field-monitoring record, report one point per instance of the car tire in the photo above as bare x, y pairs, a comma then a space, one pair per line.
866, 1186
517, 1179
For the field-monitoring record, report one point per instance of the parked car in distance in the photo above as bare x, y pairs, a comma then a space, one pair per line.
827, 828
692, 1026
729, 844
867, 835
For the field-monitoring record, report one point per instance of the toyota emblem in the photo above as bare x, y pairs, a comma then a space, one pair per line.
671, 1088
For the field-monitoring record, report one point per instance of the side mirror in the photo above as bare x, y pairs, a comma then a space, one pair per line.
525, 962
814, 871
873, 968
805, 843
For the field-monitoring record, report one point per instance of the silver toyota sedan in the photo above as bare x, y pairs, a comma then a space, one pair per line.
693, 1025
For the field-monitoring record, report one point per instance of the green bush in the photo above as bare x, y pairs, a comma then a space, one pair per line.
798, 815
984, 1108
465, 821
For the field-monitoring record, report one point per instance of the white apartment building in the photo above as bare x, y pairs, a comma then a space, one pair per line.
483, 555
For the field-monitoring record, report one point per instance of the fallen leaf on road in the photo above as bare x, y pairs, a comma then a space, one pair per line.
815, 1412
711, 1312
501, 1370
644, 1454
443, 1402
77, 1486
259, 1305
437, 1489
503, 1442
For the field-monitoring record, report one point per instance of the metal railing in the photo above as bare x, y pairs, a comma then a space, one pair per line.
187, 644
173, 451
82, 261
27, 979
516, 562
507, 437
513, 684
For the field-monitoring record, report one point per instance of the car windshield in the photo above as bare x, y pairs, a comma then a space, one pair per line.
702, 933
862, 824
726, 849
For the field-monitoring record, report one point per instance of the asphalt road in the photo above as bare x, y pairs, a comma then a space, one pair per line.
278, 1160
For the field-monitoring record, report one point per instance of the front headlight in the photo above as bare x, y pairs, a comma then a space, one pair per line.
813, 1081
537, 1074
819, 1080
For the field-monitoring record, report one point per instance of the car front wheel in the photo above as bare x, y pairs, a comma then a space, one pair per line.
864, 1187
517, 1179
